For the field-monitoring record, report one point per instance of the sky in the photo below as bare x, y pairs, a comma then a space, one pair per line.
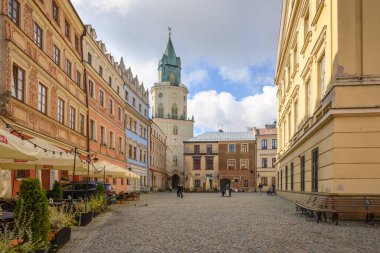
227, 49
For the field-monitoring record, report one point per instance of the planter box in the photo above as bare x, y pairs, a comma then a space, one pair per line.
44, 250
61, 237
84, 219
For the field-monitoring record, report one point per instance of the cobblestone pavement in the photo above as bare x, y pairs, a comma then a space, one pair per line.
206, 222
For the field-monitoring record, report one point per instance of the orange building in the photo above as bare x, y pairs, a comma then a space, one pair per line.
41, 75
106, 107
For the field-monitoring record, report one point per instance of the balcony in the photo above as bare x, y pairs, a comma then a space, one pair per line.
169, 116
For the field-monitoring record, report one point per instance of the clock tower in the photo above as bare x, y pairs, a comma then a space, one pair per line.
169, 112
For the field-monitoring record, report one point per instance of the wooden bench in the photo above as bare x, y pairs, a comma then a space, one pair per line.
315, 204
370, 206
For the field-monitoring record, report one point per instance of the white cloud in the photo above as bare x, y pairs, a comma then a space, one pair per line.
235, 75
195, 77
211, 108
227, 35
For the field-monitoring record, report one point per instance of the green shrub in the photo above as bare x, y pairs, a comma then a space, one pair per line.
59, 218
56, 192
32, 199
100, 189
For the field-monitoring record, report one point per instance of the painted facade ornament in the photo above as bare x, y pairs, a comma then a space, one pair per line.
53, 70
4, 7
28, 20
53, 104
9, 71
9, 31
32, 51
49, 43
33, 96
32, 118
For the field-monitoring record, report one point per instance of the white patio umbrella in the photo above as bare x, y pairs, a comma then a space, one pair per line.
13, 147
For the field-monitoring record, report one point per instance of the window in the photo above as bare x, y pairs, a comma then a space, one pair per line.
72, 118
111, 106
101, 97
291, 176
110, 83
79, 78
76, 43
67, 29
57, 55
122, 181
91, 88
112, 140
114, 181
314, 171
264, 162
244, 148
174, 111
42, 98
100, 70
308, 98
175, 130
274, 143
245, 183
281, 180
160, 111
295, 57
145, 112
286, 177
244, 164
55, 12
102, 135
264, 181
231, 148
89, 58
119, 113
130, 149
92, 130
126, 95
231, 164
120, 145
38, 35
196, 163
196, 149
135, 127
68, 67
134, 102
322, 74
209, 163
273, 162
303, 173
18, 83
81, 124
197, 183
209, 148
295, 115
264, 144
273, 180
14, 11
140, 108
134, 153
306, 25
61, 110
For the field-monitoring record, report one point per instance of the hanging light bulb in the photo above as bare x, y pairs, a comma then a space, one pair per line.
60, 154
22, 140
35, 147
53, 154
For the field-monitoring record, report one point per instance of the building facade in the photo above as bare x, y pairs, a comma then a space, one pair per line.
328, 82
266, 150
213, 160
106, 108
42, 91
137, 122
157, 171
169, 111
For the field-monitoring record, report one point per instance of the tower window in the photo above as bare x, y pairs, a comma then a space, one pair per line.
172, 77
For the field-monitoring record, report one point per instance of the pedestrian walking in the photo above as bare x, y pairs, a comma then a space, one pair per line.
181, 191
260, 188
178, 191
170, 188
227, 189
273, 189
230, 191
223, 192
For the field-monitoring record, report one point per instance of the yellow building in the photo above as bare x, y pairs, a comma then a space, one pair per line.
158, 173
327, 73
266, 149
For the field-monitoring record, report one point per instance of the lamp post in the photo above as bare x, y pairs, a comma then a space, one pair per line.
90, 159
258, 179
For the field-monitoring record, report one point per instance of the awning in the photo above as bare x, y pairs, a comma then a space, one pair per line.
111, 170
60, 160
12, 147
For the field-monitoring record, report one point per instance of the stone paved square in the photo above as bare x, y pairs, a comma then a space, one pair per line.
206, 222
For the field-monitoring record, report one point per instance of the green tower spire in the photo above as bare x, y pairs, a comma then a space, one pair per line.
169, 67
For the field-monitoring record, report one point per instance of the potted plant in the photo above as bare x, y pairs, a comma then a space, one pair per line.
83, 214
61, 223
19, 238
34, 201
97, 203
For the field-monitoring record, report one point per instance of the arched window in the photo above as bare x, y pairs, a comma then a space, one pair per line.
175, 160
174, 111
160, 111
184, 112
175, 130
172, 77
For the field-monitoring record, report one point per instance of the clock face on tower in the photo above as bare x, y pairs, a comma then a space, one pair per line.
160, 95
